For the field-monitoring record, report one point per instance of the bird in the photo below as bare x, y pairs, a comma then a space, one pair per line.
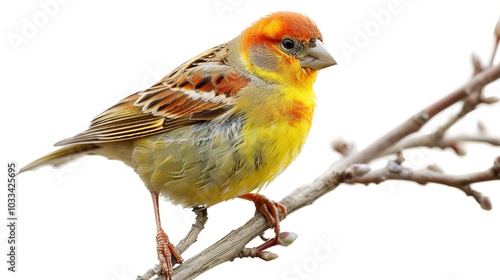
220, 126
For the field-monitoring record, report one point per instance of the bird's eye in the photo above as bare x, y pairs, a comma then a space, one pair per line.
288, 44
291, 46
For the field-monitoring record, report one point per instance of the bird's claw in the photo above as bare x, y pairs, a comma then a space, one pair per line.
166, 250
271, 210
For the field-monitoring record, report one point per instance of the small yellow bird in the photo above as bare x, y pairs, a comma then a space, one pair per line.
219, 126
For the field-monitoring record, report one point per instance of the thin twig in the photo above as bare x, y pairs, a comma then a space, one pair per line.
430, 141
469, 104
426, 176
196, 228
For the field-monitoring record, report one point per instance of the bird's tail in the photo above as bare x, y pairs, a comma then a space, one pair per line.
61, 156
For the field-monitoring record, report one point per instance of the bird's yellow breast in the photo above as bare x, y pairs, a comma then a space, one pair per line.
275, 135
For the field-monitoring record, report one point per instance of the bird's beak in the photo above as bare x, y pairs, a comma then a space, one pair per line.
317, 57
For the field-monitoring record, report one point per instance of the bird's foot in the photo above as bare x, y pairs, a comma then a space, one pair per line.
271, 210
166, 252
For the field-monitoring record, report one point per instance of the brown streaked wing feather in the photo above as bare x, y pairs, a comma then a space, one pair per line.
199, 90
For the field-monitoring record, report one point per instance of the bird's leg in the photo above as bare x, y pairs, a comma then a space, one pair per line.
165, 249
271, 210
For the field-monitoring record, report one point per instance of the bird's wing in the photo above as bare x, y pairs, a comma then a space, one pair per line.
199, 90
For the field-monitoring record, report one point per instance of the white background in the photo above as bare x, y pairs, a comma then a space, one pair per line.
93, 219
